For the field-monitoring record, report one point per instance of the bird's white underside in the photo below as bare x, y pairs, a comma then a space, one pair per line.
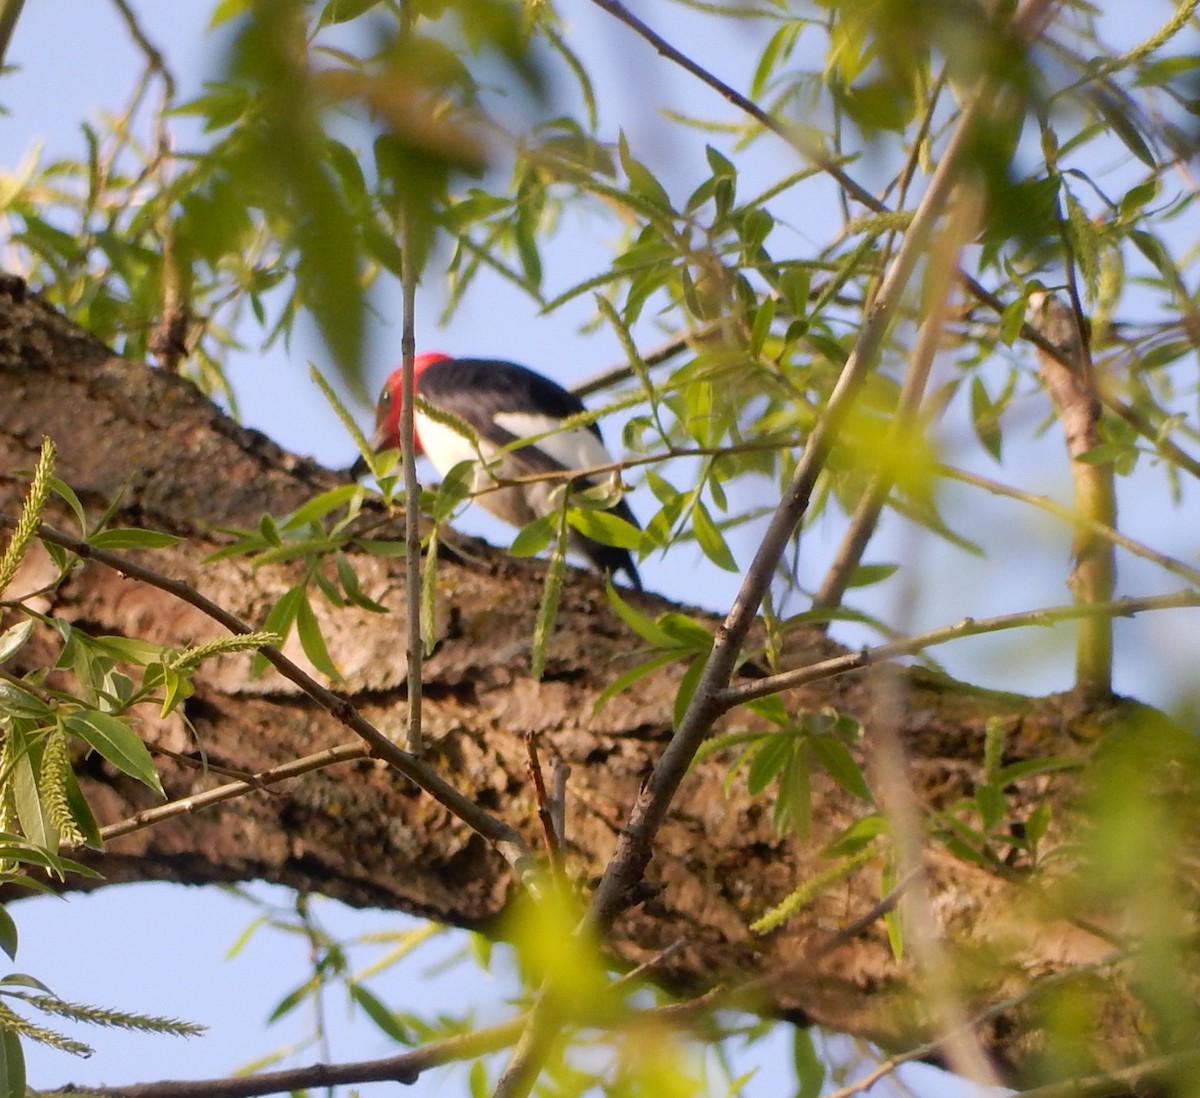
574, 449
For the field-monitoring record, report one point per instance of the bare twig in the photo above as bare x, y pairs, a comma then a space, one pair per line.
742, 692
544, 808
412, 490
405, 1068
748, 106
1067, 514
185, 805
961, 228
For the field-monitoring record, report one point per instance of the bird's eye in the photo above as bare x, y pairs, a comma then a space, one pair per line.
385, 398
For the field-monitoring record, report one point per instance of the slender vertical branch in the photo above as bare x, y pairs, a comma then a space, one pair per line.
412, 489
1078, 407
943, 263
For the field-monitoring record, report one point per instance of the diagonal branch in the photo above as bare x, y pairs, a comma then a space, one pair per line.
506, 841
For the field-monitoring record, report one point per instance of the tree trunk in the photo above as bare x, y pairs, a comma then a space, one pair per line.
360, 833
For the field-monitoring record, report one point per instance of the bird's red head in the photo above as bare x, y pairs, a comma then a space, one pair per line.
387, 411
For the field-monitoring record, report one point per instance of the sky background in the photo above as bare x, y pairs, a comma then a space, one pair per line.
161, 947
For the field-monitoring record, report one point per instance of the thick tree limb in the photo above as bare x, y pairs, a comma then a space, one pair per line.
359, 833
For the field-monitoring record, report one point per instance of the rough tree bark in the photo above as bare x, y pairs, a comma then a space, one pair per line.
363, 835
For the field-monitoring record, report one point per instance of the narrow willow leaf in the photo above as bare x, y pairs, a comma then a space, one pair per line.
835, 757
319, 506
632, 675
643, 625
768, 761
13, 639
36, 824
8, 933
548, 608
642, 181
348, 578
132, 537
865, 575
429, 594
711, 540
387, 1020
12, 1065
808, 1066
312, 640
113, 739
535, 537
606, 528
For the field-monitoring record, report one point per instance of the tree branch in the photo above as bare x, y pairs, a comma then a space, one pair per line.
506, 841
742, 692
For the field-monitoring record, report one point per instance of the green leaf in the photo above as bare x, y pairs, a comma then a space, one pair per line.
12, 1065
13, 639
1121, 123
685, 632
115, 741
710, 539
769, 760
990, 802
456, 487
8, 933
632, 675
39, 829
687, 687
793, 799
62, 489
605, 527
387, 1020
308, 628
342, 11
867, 574
835, 757
985, 416
535, 537
81, 812
808, 1066
858, 835
641, 181
319, 506
348, 578
643, 625
131, 537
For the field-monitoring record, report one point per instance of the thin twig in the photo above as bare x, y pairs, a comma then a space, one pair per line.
405, 1068
1067, 514
634, 846
343, 753
742, 692
961, 228
544, 810
412, 490
806, 149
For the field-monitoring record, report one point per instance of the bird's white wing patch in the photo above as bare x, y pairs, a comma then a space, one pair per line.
575, 449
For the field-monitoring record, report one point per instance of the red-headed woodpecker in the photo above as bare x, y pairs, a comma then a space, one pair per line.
502, 403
